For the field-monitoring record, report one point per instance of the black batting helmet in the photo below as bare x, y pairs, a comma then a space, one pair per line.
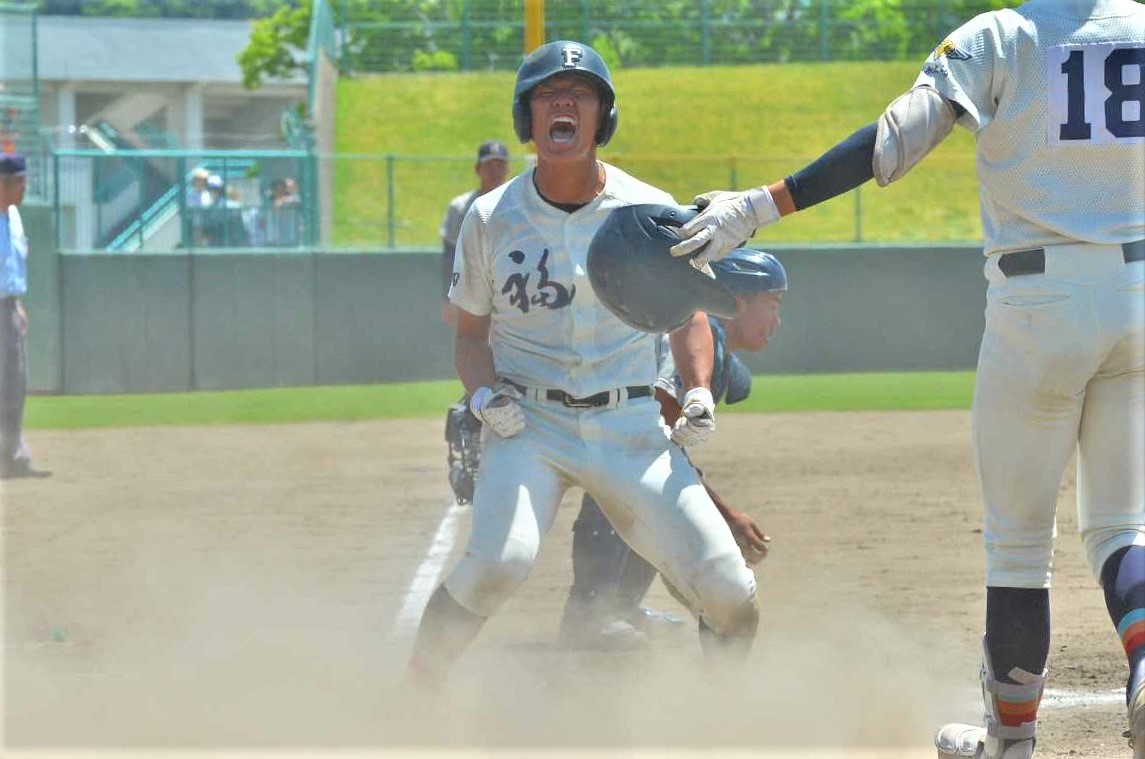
557, 58
640, 282
744, 271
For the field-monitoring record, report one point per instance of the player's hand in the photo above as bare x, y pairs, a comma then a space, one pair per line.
697, 418
749, 536
727, 220
497, 408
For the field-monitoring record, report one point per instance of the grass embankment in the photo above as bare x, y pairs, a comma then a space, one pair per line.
685, 129
822, 392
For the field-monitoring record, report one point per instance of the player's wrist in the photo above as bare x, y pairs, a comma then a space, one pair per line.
479, 399
701, 395
762, 206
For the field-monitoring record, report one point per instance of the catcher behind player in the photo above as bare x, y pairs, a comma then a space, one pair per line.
1054, 91
609, 578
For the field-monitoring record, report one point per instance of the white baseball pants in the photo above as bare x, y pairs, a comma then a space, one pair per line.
645, 485
1061, 368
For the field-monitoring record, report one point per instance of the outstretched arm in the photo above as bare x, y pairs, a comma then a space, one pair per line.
912, 125
749, 536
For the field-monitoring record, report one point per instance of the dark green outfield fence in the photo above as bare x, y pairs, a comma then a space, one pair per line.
126, 323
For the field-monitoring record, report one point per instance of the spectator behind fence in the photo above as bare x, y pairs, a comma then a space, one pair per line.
198, 198
234, 224
213, 220
492, 168
284, 217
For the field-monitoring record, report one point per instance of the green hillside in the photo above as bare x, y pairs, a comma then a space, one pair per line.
684, 129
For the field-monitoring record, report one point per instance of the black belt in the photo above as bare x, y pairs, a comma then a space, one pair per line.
596, 400
1033, 261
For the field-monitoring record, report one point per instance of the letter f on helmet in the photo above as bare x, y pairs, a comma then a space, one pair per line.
571, 55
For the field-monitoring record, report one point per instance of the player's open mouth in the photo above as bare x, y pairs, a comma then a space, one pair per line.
562, 129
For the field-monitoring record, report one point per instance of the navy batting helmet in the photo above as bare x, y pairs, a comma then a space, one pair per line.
557, 58
640, 282
745, 271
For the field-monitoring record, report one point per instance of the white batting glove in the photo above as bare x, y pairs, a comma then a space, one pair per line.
498, 409
697, 418
727, 220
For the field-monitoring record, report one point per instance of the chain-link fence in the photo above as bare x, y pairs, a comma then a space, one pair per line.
397, 202
468, 35
167, 201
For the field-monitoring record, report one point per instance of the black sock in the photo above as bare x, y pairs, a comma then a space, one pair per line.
1017, 630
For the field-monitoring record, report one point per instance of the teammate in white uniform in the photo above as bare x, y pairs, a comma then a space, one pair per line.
1054, 91
563, 387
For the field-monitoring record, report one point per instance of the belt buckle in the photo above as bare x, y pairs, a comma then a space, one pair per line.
571, 402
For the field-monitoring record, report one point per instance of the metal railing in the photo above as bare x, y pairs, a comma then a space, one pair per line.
161, 200
176, 200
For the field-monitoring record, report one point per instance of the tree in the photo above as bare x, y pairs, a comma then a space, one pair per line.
277, 46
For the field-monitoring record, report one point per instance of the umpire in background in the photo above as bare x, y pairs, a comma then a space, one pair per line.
492, 169
14, 458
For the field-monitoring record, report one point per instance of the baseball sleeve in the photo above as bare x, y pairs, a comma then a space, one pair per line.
451, 223
470, 286
962, 69
666, 377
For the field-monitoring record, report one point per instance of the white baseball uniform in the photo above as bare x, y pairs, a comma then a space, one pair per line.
1054, 91
521, 262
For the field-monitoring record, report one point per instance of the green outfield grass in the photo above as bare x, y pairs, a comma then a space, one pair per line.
684, 129
820, 392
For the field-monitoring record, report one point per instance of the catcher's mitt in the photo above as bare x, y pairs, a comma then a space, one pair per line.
463, 434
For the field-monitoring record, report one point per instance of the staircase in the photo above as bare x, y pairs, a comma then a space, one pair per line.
159, 224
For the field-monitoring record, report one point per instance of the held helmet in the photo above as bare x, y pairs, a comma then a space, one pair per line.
637, 278
744, 271
557, 58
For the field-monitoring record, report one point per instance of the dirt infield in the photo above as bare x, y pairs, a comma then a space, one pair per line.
253, 589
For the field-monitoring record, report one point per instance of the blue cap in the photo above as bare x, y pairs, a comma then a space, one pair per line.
492, 150
13, 165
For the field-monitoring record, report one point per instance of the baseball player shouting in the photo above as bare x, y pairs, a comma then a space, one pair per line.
564, 388
1054, 91
609, 578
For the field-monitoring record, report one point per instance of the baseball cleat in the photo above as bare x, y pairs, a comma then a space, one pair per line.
22, 468
958, 740
617, 635
1137, 724
653, 622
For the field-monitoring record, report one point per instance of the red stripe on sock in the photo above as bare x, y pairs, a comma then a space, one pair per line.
1017, 714
1017, 720
1134, 637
